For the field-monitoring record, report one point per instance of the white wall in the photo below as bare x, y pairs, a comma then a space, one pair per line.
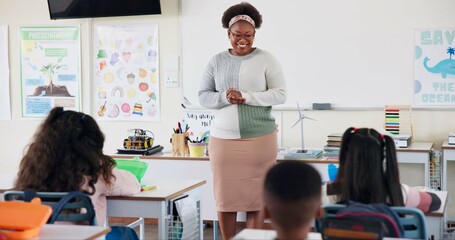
15, 134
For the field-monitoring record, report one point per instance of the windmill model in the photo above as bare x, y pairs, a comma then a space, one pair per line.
301, 118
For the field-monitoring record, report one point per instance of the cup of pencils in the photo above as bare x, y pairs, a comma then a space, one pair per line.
197, 147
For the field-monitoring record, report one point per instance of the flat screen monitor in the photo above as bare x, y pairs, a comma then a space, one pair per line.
62, 9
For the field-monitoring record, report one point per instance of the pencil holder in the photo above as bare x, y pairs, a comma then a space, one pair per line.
197, 149
179, 145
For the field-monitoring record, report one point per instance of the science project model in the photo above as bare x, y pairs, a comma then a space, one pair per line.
138, 139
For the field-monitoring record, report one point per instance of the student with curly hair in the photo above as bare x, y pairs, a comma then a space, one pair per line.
292, 195
368, 173
66, 154
241, 85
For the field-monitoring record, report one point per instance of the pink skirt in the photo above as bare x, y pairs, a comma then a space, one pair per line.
239, 167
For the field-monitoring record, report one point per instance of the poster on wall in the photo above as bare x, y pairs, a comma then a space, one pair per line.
5, 110
50, 69
126, 72
434, 67
198, 124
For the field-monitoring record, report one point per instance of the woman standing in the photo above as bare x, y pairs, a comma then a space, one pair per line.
241, 85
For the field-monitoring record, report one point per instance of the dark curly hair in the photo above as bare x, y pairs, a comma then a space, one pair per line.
66, 150
242, 8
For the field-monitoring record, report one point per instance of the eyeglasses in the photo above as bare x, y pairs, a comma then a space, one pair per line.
240, 36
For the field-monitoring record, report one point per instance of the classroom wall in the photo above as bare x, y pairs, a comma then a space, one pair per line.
429, 125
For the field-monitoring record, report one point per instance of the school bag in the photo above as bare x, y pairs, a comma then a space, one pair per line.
365, 213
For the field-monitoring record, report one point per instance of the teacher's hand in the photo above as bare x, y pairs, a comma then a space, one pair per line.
234, 96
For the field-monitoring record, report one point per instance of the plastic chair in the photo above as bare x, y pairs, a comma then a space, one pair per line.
339, 228
66, 207
330, 211
413, 222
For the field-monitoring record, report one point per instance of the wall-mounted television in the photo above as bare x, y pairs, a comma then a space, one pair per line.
62, 9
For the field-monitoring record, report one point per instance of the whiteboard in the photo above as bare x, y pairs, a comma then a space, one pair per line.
350, 53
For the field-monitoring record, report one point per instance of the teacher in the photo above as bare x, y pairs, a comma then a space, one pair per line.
241, 85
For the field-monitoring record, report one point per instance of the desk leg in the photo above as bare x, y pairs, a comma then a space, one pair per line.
162, 226
215, 230
444, 171
434, 227
427, 173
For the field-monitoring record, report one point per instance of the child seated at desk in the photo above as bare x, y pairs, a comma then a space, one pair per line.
292, 196
368, 173
66, 154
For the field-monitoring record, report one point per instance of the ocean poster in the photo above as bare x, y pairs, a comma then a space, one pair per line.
434, 67
50, 60
126, 72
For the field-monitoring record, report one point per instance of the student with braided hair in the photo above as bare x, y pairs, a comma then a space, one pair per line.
368, 173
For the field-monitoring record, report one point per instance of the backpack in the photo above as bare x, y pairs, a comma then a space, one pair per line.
382, 213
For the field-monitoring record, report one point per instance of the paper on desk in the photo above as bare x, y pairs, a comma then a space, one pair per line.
187, 210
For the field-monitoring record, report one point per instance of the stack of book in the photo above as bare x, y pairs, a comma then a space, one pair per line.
451, 138
334, 139
332, 148
402, 140
298, 154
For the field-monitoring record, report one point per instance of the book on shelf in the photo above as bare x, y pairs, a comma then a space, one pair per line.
402, 141
451, 139
298, 154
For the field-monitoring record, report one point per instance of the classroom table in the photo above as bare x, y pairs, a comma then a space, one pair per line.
417, 153
155, 203
199, 167
261, 234
158, 203
54, 231
448, 159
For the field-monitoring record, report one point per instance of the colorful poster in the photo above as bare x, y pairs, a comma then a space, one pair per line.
50, 69
126, 72
5, 110
434, 82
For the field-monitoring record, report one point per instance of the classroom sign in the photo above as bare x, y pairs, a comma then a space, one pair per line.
50, 69
199, 122
126, 72
434, 82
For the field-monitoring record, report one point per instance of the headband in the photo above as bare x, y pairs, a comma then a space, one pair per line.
241, 17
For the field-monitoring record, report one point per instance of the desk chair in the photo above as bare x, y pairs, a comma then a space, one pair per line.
66, 207
343, 228
413, 222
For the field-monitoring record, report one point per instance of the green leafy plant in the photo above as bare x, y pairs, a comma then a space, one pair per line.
49, 70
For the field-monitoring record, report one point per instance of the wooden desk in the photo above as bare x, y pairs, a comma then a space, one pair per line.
54, 231
417, 153
154, 203
259, 234
158, 203
435, 220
